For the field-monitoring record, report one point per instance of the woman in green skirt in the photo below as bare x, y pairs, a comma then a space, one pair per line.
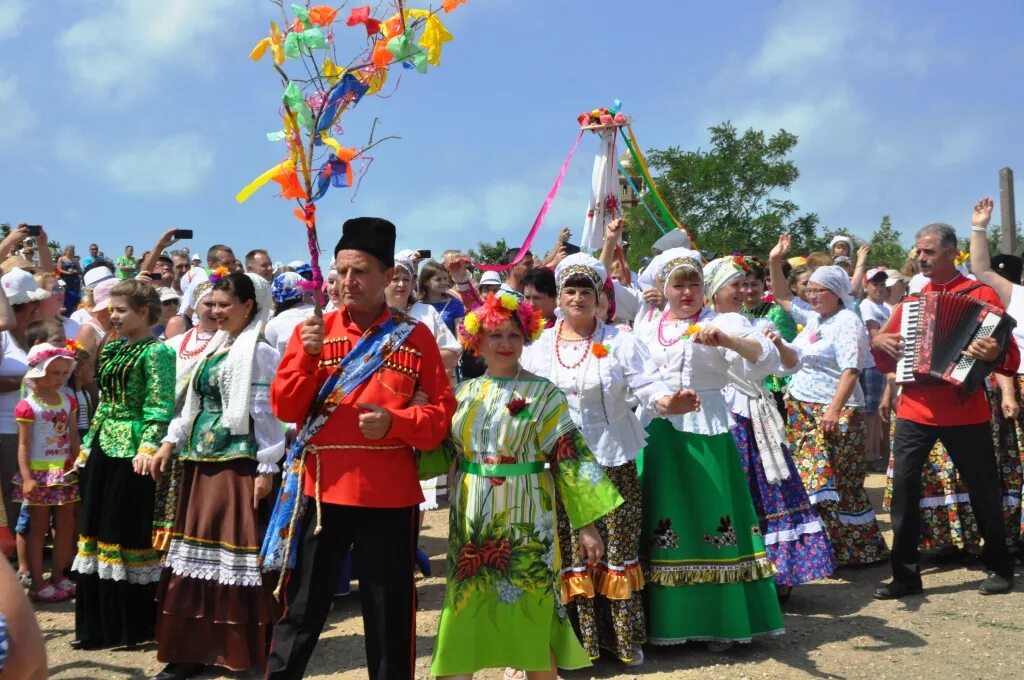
513, 442
708, 575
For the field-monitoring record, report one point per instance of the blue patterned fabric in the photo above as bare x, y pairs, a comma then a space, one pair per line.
4, 644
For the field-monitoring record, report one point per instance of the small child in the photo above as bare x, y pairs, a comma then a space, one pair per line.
47, 438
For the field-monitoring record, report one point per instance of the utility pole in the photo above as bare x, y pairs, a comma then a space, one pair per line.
1008, 212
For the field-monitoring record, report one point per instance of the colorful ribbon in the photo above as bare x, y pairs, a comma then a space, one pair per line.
640, 197
634, 151
251, 188
540, 215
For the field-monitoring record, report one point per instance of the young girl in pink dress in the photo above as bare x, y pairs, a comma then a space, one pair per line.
47, 437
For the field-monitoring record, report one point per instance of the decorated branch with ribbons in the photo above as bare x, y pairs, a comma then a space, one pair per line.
313, 102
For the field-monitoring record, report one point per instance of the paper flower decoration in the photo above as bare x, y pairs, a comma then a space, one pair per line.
599, 350
603, 117
495, 310
961, 258
218, 274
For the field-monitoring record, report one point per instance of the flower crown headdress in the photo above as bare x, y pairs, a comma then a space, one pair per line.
217, 274
495, 310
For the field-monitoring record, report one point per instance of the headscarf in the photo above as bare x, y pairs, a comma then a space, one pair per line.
199, 291
671, 261
286, 287
581, 264
235, 374
835, 280
719, 272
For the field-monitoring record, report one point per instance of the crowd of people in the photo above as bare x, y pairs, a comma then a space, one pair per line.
658, 457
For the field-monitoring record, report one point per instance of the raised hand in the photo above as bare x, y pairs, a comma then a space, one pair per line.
982, 213
781, 248
862, 254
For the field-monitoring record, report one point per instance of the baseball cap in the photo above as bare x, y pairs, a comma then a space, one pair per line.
875, 273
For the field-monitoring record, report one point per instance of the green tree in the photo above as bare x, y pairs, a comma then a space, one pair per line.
488, 253
728, 195
886, 246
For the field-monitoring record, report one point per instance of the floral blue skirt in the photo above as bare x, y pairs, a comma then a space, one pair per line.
795, 538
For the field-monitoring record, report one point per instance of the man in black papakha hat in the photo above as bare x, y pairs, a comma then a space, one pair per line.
361, 462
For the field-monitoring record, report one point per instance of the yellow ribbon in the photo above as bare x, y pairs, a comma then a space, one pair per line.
647, 173
253, 186
274, 42
332, 71
434, 33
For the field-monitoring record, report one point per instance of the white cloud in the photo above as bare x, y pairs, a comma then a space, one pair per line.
17, 116
804, 37
173, 165
12, 12
122, 47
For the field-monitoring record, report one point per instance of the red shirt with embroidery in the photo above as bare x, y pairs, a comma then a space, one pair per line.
940, 403
369, 473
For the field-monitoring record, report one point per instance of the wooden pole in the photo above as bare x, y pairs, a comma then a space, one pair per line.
1008, 212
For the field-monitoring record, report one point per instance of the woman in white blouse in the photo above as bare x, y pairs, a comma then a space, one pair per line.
825, 409
795, 538
601, 371
708, 577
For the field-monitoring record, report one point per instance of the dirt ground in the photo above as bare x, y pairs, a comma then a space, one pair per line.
833, 630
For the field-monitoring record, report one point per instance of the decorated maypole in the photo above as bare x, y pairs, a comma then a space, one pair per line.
605, 199
318, 87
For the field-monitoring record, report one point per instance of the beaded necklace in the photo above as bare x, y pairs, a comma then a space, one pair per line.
192, 354
685, 334
579, 374
586, 352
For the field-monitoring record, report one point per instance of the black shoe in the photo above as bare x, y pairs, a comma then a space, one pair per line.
898, 589
996, 584
179, 671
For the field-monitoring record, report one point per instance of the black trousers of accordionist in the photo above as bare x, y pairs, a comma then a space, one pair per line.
970, 448
383, 542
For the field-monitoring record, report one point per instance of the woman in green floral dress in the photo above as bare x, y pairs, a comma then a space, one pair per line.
513, 442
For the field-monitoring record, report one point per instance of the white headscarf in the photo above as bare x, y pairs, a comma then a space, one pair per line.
719, 272
671, 261
235, 374
841, 239
836, 280
581, 264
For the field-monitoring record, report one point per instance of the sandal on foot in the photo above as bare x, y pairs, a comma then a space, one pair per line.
67, 585
48, 593
637, 660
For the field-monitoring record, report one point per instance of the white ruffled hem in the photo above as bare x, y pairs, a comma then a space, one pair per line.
823, 495
213, 564
866, 517
790, 535
117, 571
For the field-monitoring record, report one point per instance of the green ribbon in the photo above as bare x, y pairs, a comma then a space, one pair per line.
404, 48
502, 469
302, 14
311, 39
296, 103
665, 214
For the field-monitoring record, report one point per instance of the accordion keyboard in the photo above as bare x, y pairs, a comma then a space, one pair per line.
908, 331
959, 372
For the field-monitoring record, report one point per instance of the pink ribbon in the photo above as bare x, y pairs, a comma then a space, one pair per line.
523, 249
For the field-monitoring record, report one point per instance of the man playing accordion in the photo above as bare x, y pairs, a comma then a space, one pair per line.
929, 410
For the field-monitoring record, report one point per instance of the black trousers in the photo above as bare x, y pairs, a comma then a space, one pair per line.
970, 448
384, 542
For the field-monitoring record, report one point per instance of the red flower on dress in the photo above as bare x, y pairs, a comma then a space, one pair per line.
516, 406
498, 460
599, 350
565, 449
468, 562
497, 554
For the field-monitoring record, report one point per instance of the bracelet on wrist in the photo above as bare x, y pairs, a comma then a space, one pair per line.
981, 229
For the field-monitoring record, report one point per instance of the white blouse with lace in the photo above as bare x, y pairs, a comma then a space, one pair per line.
684, 364
601, 391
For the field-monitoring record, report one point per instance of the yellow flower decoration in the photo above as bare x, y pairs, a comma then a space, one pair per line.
799, 328
961, 257
692, 329
472, 323
509, 302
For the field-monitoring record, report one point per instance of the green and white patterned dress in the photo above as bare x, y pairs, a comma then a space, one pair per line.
502, 604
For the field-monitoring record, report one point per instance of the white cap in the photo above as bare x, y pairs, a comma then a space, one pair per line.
167, 294
95, 275
21, 287
490, 279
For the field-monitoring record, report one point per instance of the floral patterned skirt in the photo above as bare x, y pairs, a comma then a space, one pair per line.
1007, 436
708, 574
606, 606
947, 518
51, 488
833, 470
794, 537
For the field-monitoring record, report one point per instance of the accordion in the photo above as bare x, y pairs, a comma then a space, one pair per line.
936, 329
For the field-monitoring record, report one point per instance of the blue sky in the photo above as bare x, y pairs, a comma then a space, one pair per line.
121, 118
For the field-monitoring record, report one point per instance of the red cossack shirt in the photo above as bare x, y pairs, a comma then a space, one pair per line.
940, 403
357, 471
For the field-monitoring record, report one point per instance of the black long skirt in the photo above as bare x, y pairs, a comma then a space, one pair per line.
116, 567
